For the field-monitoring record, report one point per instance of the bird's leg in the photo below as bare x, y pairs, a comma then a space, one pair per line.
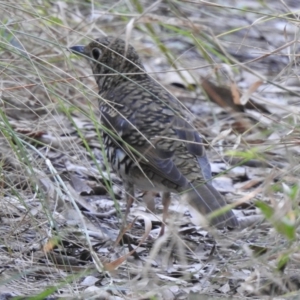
129, 196
166, 199
148, 198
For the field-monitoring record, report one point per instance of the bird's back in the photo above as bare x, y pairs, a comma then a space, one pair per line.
152, 111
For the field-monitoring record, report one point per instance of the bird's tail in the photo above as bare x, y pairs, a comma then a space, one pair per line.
206, 199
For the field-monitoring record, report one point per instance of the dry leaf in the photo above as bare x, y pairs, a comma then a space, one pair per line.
246, 96
235, 93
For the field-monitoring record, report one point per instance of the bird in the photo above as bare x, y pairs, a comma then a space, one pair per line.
148, 140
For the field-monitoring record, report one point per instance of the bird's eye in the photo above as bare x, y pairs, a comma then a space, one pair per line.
96, 53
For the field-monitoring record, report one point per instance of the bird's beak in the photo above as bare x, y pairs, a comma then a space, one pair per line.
77, 49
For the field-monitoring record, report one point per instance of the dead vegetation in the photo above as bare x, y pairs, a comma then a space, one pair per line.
234, 67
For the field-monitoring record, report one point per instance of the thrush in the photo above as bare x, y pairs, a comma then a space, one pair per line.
147, 139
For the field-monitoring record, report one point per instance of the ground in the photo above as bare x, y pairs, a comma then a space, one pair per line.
234, 65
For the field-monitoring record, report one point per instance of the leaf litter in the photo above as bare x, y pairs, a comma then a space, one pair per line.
61, 207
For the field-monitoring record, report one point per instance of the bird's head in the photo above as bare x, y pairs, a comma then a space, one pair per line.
110, 56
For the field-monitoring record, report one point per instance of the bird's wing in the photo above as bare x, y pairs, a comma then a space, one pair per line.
156, 156
194, 144
158, 160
